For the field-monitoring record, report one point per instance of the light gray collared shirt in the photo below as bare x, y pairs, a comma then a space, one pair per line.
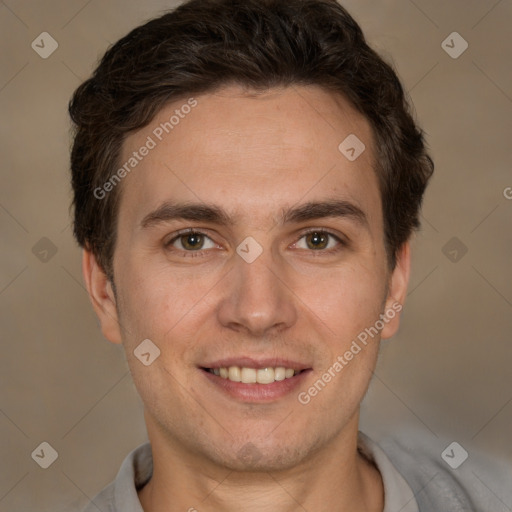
416, 481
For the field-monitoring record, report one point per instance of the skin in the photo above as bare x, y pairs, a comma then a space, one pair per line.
252, 155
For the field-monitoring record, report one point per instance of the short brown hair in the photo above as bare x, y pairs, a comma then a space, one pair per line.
205, 44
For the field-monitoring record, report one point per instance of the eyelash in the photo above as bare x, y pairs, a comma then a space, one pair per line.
200, 252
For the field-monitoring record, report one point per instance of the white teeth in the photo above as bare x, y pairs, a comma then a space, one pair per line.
254, 375
234, 374
288, 373
280, 373
265, 375
248, 375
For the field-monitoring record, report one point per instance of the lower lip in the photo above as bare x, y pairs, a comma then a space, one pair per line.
257, 392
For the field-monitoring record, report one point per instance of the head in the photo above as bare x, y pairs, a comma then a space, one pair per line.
228, 118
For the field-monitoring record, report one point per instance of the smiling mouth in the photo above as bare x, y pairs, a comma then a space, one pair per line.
247, 375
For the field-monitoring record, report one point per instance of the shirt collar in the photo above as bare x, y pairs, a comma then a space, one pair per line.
397, 493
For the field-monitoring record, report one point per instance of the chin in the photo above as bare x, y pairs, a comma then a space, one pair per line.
262, 456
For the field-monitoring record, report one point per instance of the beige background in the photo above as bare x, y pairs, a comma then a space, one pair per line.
446, 374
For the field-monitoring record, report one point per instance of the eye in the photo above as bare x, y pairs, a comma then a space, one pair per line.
318, 240
191, 241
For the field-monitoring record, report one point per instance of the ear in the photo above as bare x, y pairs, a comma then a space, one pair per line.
102, 297
399, 280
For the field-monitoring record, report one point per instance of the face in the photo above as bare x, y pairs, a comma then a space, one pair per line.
248, 241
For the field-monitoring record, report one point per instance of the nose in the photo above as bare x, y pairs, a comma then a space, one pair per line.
257, 299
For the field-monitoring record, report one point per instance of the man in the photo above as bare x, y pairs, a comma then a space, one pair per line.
247, 177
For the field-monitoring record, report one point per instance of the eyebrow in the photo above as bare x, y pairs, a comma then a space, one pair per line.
203, 212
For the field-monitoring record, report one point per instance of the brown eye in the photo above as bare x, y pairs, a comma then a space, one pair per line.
190, 241
317, 240
320, 240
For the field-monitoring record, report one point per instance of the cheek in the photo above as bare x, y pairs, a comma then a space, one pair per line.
347, 300
158, 302
349, 308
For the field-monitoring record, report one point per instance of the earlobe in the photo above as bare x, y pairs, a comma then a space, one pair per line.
399, 282
102, 297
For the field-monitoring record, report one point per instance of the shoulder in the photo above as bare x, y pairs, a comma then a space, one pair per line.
121, 494
103, 501
445, 475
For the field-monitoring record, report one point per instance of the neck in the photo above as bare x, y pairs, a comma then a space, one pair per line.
336, 478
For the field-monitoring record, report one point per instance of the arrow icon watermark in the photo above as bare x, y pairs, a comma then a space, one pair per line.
352, 147
45, 455
249, 249
146, 352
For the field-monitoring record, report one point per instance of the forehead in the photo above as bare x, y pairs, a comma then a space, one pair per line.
254, 153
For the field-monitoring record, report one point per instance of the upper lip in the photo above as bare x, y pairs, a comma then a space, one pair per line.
250, 362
